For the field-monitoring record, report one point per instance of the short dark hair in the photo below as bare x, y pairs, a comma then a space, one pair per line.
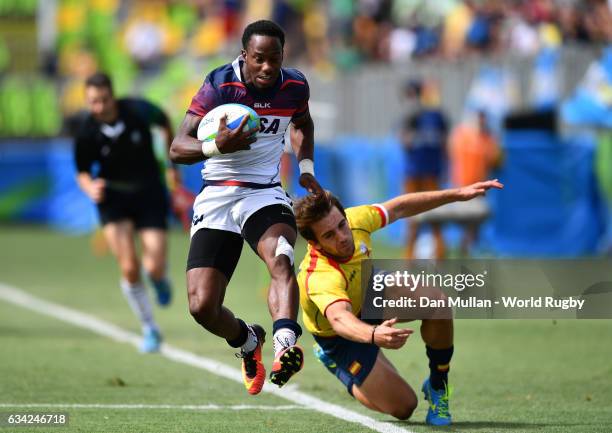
99, 79
264, 28
312, 208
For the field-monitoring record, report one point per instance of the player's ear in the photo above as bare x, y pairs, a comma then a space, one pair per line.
243, 54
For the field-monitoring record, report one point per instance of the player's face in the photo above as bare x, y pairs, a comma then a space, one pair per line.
334, 236
263, 60
101, 103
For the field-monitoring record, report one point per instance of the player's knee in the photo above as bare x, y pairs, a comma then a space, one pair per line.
156, 269
404, 411
130, 270
284, 249
203, 310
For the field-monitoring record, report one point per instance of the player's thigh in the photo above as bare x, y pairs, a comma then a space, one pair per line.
263, 229
211, 262
120, 237
386, 390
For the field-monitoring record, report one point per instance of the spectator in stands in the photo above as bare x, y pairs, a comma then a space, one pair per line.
423, 137
473, 154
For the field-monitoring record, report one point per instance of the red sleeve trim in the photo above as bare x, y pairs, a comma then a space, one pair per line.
383, 214
333, 302
233, 83
195, 111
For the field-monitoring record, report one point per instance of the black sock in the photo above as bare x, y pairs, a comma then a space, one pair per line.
242, 337
439, 364
287, 323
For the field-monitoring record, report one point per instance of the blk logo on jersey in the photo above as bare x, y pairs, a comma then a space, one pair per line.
268, 127
262, 105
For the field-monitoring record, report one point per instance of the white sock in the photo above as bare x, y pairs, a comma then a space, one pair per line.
137, 297
283, 338
251, 342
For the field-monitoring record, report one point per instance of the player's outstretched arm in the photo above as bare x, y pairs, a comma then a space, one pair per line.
302, 142
415, 203
346, 325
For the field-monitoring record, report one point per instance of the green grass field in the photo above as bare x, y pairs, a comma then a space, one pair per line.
509, 376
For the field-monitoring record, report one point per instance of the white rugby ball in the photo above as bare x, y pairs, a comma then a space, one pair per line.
209, 125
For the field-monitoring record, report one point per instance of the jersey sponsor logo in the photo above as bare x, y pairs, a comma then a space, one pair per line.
262, 105
268, 127
197, 219
364, 249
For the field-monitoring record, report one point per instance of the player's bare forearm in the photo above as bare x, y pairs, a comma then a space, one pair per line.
346, 324
84, 180
186, 148
414, 203
302, 142
302, 137
94, 188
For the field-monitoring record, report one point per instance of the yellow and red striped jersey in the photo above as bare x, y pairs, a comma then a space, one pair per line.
324, 280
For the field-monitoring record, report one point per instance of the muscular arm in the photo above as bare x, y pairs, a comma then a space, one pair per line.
302, 142
414, 203
346, 325
302, 137
186, 148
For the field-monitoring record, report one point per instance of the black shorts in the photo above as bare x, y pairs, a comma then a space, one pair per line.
147, 208
220, 249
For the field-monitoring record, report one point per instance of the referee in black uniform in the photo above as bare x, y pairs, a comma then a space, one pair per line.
118, 170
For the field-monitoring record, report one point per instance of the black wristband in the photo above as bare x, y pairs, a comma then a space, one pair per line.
373, 331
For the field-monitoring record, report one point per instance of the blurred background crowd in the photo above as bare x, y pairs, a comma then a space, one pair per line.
535, 76
161, 48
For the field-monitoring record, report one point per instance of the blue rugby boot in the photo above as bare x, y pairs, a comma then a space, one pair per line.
163, 290
151, 341
438, 412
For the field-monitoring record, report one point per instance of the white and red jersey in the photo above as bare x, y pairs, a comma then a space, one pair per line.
276, 107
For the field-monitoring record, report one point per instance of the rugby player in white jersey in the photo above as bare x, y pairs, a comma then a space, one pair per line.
242, 198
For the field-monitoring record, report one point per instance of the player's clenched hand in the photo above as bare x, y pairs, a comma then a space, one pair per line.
385, 335
95, 190
232, 140
477, 189
309, 183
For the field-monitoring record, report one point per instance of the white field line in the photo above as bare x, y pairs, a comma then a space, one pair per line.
202, 407
101, 327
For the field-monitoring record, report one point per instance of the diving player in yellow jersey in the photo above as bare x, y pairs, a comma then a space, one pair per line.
331, 296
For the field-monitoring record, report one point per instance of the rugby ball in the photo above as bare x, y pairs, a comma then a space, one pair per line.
209, 125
